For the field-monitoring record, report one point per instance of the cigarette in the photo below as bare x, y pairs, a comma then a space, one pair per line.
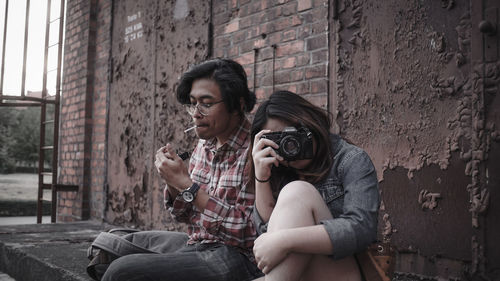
189, 129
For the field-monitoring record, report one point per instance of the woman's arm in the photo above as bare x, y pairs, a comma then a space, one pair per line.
264, 157
356, 227
264, 200
307, 240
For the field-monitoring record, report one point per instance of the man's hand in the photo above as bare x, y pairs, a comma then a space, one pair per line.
172, 169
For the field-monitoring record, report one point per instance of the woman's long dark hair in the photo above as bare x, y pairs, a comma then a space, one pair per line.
296, 111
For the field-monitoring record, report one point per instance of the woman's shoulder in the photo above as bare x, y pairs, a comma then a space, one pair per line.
343, 147
345, 151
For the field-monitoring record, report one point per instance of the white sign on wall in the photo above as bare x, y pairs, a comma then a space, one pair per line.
134, 29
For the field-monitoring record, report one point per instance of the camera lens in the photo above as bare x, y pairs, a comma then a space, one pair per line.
290, 147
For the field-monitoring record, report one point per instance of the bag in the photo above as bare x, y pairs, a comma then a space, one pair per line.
377, 262
109, 246
106, 248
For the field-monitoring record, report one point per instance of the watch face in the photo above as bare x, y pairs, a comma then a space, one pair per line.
187, 196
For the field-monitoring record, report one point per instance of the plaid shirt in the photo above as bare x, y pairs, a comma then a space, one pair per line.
221, 173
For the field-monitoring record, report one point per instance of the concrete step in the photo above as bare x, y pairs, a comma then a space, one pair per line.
47, 252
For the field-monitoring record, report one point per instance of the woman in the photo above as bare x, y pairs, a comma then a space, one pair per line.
319, 211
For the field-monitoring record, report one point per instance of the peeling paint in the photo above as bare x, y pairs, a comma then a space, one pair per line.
410, 89
428, 200
144, 114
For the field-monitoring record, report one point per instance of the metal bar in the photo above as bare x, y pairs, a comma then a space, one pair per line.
61, 187
66, 187
43, 111
210, 47
255, 55
46, 50
25, 50
56, 115
54, 20
40, 164
335, 9
3, 45
25, 98
274, 62
19, 104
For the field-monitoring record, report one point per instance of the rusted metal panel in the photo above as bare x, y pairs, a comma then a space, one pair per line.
153, 43
492, 224
415, 85
428, 213
181, 40
491, 94
130, 106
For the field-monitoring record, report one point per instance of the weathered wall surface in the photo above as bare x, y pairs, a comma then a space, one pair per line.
414, 84
153, 43
409, 86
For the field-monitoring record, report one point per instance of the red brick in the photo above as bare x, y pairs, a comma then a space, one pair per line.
231, 26
290, 48
304, 5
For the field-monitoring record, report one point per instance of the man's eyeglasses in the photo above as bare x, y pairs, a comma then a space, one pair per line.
203, 108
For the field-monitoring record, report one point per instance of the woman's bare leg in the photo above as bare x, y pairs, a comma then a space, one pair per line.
300, 204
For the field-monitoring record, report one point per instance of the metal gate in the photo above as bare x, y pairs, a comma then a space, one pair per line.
50, 89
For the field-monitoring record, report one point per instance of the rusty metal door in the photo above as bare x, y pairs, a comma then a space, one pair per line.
485, 192
415, 83
150, 50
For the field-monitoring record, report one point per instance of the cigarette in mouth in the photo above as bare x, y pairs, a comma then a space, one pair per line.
189, 129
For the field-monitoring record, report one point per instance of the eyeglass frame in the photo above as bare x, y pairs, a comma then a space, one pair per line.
191, 108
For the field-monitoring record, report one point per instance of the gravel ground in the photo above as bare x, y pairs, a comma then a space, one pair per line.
20, 187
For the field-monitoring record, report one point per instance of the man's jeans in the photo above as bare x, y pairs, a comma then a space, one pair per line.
214, 261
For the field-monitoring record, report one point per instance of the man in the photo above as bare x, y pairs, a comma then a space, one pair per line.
211, 197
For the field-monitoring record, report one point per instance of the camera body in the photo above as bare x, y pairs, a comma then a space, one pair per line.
293, 144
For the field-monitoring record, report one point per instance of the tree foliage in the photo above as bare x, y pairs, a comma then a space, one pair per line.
20, 136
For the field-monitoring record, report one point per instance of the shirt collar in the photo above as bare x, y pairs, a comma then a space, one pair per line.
235, 141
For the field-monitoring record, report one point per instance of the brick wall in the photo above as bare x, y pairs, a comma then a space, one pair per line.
290, 37
98, 167
83, 109
282, 45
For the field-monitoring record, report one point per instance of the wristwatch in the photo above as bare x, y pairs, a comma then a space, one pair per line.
189, 194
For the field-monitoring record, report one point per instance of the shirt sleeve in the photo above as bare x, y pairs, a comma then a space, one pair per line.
232, 222
356, 227
180, 210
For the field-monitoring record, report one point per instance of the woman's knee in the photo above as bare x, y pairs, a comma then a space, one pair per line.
303, 198
298, 192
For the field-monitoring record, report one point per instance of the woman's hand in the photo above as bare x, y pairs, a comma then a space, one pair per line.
264, 156
172, 169
269, 250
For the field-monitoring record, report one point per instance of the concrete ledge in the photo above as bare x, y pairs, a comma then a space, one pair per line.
44, 252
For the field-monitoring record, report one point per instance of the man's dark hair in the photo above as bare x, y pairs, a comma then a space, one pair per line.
229, 76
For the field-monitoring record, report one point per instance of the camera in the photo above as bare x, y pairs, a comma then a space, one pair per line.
293, 144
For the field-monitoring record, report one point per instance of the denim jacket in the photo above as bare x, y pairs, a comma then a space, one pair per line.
351, 193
